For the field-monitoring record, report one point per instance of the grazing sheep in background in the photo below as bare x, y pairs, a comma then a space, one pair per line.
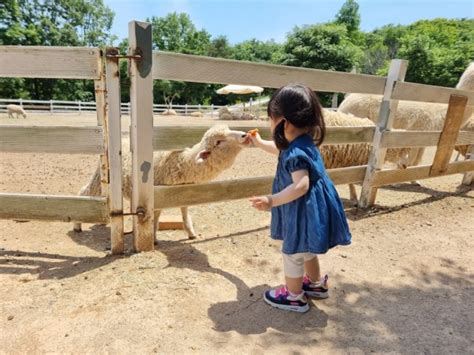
410, 115
169, 112
203, 162
346, 155
196, 114
225, 114
15, 109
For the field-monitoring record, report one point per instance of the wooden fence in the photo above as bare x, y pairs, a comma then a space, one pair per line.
103, 139
78, 107
147, 66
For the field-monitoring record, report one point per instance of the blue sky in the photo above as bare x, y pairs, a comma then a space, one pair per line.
273, 19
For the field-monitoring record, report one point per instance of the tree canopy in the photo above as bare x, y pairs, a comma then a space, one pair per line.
438, 50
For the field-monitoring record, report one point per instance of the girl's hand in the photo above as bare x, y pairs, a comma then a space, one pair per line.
253, 138
261, 203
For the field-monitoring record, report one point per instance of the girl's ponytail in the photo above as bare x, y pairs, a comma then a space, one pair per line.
279, 136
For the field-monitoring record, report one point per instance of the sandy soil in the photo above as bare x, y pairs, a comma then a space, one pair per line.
405, 285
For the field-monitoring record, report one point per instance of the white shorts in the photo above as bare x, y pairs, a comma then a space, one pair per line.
293, 264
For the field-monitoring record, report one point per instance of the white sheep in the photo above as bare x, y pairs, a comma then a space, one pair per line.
203, 162
196, 114
410, 115
346, 155
468, 126
15, 109
168, 112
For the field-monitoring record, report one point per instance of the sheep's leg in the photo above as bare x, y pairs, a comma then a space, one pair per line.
77, 227
353, 194
415, 159
156, 224
92, 188
188, 223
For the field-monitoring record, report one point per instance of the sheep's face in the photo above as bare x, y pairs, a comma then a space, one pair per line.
220, 142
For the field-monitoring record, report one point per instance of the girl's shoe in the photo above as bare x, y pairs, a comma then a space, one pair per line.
281, 298
318, 290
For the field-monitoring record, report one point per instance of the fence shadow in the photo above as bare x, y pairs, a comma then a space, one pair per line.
49, 266
96, 238
355, 213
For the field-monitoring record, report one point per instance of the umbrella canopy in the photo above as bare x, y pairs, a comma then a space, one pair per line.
239, 89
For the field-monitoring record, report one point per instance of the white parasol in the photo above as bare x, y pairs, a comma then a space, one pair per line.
239, 89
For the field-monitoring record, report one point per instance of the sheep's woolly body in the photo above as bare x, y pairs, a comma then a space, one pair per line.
466, 82
345, 155
469, 126
11, 109
410, 115
180, 167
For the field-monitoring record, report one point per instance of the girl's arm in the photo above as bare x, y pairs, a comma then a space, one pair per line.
268, 146
298, 188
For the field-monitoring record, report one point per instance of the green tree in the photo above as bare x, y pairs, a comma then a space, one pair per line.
220, 47
321, 47
349, 16
54, 23
438, 50
257, 51
325, 47
177, 33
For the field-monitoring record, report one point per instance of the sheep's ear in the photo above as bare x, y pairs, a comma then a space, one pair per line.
202, 155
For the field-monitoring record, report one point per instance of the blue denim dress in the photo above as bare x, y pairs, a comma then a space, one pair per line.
316, 221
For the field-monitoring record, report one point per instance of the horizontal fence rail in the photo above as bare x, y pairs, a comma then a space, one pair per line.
410, 139
175, 137
52, 139
184, 67
428, 93
54, 208
61, 106
50, 62
219, 191
393, 176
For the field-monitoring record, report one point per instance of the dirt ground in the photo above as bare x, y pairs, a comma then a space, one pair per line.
405, 285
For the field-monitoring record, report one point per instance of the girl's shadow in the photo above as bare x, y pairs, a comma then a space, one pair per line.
248, 314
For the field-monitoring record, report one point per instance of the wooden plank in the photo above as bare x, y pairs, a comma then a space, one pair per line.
388, 109
350, 175
398, 139
51, 139
447, 140
218, 191
50, 62
54, 208
114, 140
170, 223
141, 134
386, 177
179, 137
428, 93
184, 67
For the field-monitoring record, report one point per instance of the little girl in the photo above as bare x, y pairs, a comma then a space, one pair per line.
307, 213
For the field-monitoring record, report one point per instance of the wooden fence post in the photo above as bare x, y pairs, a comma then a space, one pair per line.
334, 100
141, 134
114, 138
388, 108
447, 139
101, 109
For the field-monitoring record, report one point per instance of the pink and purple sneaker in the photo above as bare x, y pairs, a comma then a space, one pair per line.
282, 298
318, 289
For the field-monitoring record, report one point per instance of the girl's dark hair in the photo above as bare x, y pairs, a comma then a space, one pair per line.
300, 106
